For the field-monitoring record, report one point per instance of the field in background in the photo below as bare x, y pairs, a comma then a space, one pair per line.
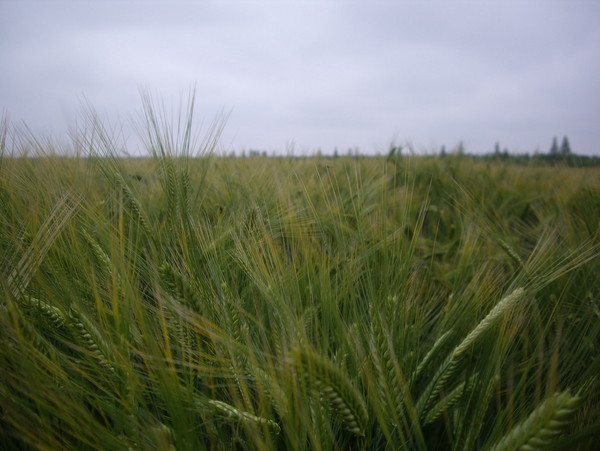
307, 303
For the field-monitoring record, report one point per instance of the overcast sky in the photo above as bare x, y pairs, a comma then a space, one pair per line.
315, 74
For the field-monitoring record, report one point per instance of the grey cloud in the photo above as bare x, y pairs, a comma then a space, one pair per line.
322, 74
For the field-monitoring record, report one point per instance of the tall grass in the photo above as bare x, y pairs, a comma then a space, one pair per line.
189, 301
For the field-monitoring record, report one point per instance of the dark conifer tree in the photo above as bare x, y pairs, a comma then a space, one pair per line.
554, 148
565, 147
497, 149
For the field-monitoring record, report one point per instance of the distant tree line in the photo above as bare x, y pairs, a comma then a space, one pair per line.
557, 155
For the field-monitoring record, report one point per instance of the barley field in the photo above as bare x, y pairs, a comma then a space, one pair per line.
351, 303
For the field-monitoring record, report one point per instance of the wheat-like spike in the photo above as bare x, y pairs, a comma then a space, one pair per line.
134, 205
271, 387
511, 252
384, 360
180, 286
167, 274
447, 369
170, 175
35, 337
445, 403
237, 370
181, 334
321, 430
500, 309
237, 330
425, 361
230, 412
392, 380
386, 414
435, 386
186, 191
100, 254
236, 326
383, 348
334, 387
543, 425
130, 402
90, 338
54, 314
24, 269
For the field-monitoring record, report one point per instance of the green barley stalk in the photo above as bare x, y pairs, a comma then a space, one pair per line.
474, 422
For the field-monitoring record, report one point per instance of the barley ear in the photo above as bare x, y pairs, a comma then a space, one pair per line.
429, 356
90, 338
59, 217
231, 413
511, 253
392, 387
445, 403
333, 387
543, 425
499, 310
180, 286
448, 368
102, 257
53, 314
136, 208
272, 388
435, 386
477, 418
